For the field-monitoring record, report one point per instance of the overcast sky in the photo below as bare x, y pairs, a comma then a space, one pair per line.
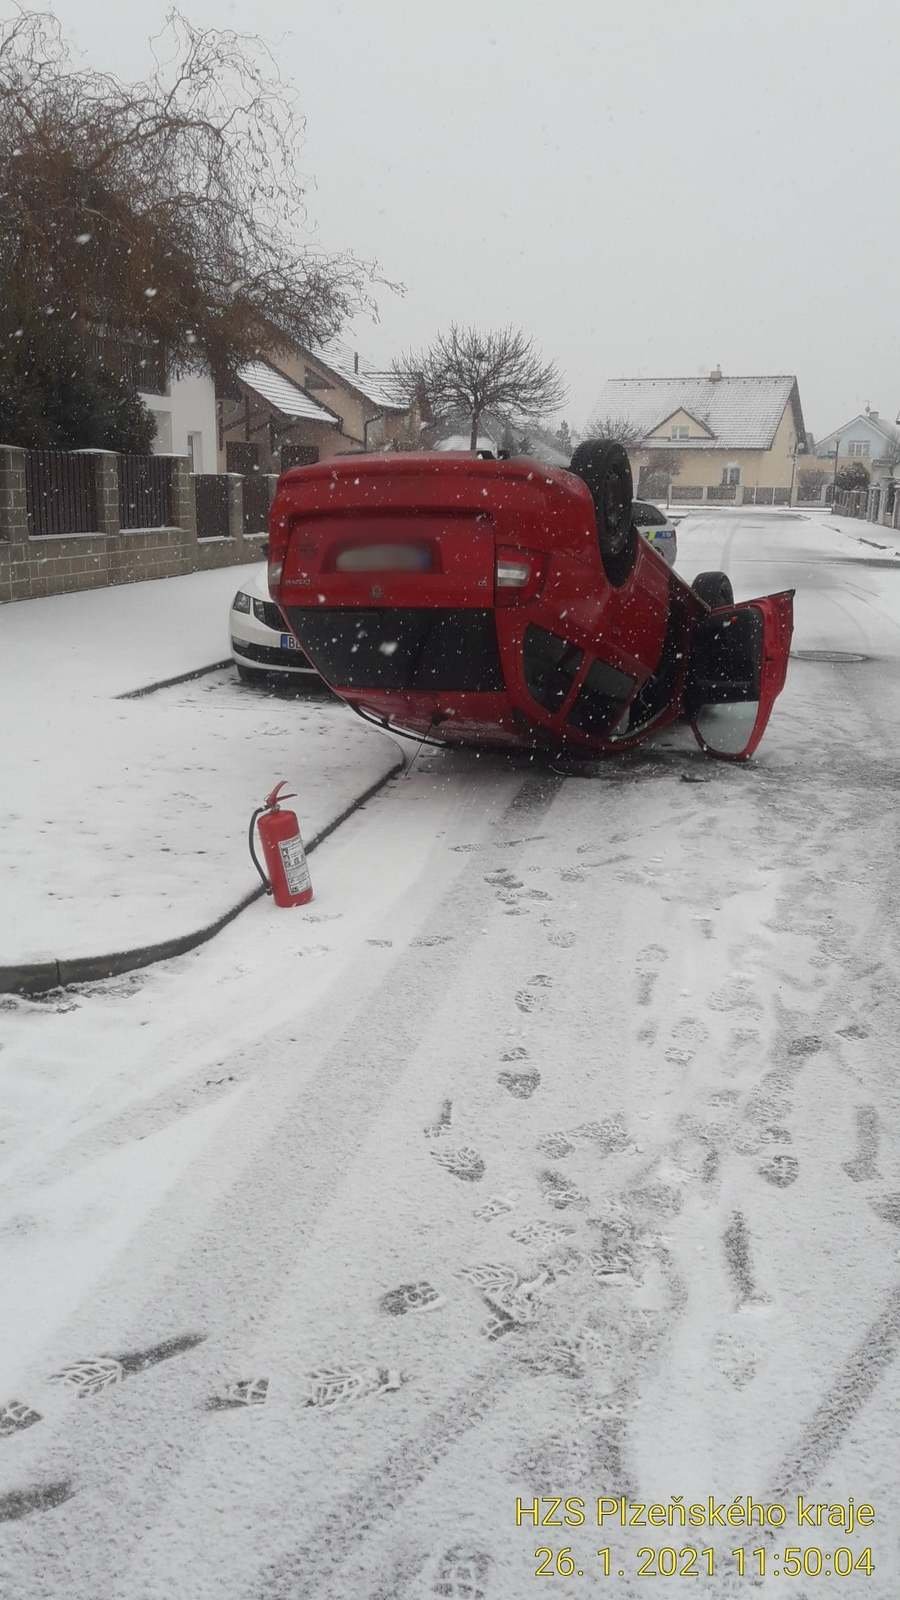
648, 186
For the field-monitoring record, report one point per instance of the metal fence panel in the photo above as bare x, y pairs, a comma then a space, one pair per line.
145, 492
60, 492
211, 490
257, 499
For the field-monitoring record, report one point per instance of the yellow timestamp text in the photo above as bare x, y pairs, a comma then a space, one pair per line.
670, 1561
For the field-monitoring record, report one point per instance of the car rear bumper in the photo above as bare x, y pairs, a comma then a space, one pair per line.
271, 658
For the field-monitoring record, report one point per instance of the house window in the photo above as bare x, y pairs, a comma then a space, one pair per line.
731, 475
858, 447
680, 430
195, 451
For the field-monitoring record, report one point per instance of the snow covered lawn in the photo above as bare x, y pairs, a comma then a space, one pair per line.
124, 822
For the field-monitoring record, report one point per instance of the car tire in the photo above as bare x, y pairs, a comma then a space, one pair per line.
604, 466
714, 589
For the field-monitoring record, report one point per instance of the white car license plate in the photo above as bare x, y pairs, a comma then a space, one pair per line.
288, 642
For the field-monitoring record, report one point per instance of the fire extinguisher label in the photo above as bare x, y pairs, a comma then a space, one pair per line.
293, 860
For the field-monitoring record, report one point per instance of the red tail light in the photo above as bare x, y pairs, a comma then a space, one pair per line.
518, 575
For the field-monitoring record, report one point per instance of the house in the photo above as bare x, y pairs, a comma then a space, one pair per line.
868, 439
302, 404
712, 438
185, 413
183, 407
268, 423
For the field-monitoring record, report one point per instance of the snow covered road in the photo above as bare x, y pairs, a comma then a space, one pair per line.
553, 1152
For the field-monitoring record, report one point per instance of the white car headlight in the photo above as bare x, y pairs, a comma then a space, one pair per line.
241, 601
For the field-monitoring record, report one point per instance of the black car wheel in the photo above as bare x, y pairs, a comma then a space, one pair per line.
714, 589
604, 466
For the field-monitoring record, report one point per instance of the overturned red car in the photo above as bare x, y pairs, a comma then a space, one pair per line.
504, 603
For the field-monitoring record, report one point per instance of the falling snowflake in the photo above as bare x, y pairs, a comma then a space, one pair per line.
83, 238
150, 293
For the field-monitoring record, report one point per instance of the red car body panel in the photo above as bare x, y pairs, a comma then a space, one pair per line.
387, 569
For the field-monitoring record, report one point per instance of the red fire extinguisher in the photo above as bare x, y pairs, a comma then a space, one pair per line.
288, 882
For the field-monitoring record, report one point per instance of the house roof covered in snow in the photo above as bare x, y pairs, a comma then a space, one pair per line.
740, 413
384, 389
280, 392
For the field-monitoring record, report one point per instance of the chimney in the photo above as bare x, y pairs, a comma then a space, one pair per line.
716, 375
873, 415
356, 361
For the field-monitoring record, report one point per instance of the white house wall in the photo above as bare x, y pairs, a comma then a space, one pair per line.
188, 408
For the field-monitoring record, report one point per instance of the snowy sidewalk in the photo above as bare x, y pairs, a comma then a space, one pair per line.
124, 822
886, 540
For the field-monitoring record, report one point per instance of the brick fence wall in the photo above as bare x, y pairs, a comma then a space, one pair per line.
33, 566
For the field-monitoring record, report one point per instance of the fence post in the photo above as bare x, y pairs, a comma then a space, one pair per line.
106, 486
13, 504
14, 580
184, 504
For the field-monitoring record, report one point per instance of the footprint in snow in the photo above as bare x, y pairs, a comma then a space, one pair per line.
560, 1193
237, 1396
464, 1163
443, 1124
555, 1146
100, 1372
780, 1170
462, 1573
330, 1387
497, 1206
809, 1045
410, 1297
520, 1084
15, 1416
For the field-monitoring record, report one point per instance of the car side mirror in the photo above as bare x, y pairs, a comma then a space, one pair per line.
738, 666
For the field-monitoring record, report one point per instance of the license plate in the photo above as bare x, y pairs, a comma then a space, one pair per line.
288, 642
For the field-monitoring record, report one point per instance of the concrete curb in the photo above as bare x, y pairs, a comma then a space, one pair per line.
39, 977
167, 683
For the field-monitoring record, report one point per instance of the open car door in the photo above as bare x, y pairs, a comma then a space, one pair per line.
739, 657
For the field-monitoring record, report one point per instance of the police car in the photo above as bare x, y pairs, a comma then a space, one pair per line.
657, 529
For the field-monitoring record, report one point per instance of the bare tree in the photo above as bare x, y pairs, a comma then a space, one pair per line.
609, 427
168, 211
470, 372
658, 472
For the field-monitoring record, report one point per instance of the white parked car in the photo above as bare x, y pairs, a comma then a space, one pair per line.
261, 642
656, 528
